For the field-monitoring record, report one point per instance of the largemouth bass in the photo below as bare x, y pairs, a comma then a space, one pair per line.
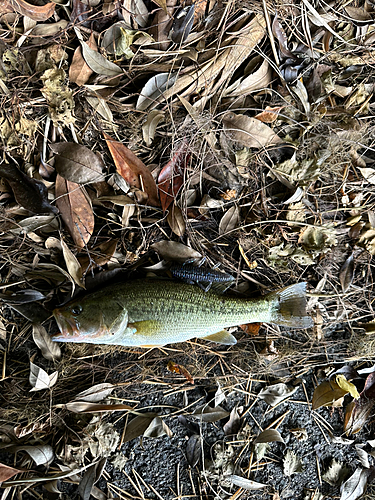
147, 313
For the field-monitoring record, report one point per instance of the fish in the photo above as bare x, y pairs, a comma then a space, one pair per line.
151, 313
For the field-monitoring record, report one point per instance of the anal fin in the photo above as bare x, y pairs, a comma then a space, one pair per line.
222, 337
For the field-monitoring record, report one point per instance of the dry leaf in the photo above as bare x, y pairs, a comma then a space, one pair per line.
245, 483
154, 89
41, 454
172, 250
234, 423
79, 71
347, 273
76, 163
137, 426
133, 170
171, 176
194, 450
7, 472
95, 393
347, 386
176, 221
269, 436
98, 63
255, 81
273, 394
336, 473
149, 127
73, 266
87, 407
208, 414
230, 220
75, 209
50, 350
327, 393
292, 463
157, 428
176, 368
356, 485
39, 379
35, 12
248, 131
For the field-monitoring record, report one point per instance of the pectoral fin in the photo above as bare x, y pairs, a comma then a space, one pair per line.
147, 328
222, 337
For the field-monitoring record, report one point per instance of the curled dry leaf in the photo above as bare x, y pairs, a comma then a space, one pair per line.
172, 250
137, 426
208, 414
149, 127
39, 379
75, 209
273, 394
279, 33
243, 482
347, 273
356, 485
79, 70
176, 220
171, 176
41, 454
230, 220
327, 393
28, 192
133, 170
77, 163
34, 12
269, 436
255, 81
194, 450
73, 266
50, 350
176, 368
157, 428
153, 89
95, 393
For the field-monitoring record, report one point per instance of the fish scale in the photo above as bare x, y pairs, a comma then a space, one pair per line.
156, 312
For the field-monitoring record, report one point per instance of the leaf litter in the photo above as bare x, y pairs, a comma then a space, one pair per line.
140, 135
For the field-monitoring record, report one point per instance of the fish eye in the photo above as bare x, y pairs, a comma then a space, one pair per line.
76, 310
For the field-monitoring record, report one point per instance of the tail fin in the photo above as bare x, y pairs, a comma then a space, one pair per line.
291, 307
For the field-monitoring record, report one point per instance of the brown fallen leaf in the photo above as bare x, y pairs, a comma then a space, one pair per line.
133, 170
171, 176
6, 472
34, 12
176, 368
75, 209
99, 255
248, 131
269, 115
251, 328
80, 71
77, 163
